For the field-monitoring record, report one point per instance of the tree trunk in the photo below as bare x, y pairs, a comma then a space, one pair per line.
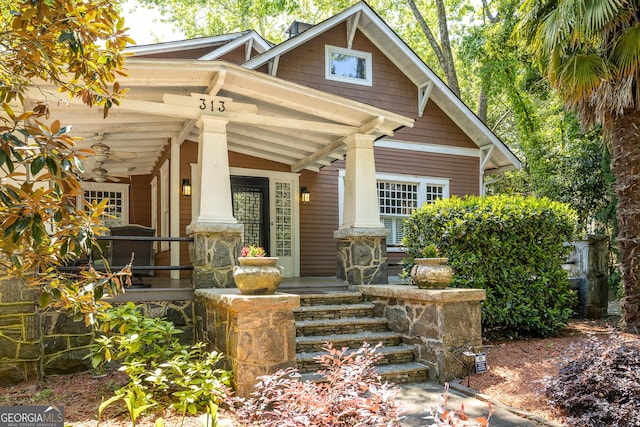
483, 106
625, 165
450, 69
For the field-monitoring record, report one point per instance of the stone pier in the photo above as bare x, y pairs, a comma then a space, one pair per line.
362, 256
256, 333
20, 336
442, 324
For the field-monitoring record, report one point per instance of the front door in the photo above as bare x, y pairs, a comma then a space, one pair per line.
265, 202
251, 208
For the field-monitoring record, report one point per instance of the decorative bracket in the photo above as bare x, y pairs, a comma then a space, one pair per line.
424, 92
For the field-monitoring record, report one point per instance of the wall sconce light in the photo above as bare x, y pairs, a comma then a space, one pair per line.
186, 187
305, 196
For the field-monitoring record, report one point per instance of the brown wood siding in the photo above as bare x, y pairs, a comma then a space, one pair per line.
318, 221
243, 161
236, 56
140, 200
391, 89
463, 172
181, 54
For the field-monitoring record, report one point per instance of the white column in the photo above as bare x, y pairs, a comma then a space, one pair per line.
360, 190
175, 195
213, 173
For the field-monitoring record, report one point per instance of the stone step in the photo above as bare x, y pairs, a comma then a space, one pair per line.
316, 312
331, 298
308, 344
404, 373
307, 362
340, 326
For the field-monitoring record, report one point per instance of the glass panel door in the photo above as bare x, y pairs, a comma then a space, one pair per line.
251, 208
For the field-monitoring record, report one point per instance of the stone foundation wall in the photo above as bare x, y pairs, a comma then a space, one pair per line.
257, 334
442, 324
362, 260
20, 337
35, 343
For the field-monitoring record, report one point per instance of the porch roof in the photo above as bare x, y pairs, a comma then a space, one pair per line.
268, 117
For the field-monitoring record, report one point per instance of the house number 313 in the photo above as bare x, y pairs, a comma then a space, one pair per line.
214, 105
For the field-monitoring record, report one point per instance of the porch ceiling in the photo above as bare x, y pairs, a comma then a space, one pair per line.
268, 117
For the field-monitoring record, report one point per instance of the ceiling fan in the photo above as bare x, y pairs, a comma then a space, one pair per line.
102, 154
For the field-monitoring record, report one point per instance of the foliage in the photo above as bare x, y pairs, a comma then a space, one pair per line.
510, 246
590, 52
162, 371
253, 251
353, 395
443, 416
429, 251
599, 384
59, 48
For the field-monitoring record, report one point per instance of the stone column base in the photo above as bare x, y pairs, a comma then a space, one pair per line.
214, 253
442, 324
362, 256
256, 333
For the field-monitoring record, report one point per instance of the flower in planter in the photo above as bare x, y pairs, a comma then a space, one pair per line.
430, 251
253, 251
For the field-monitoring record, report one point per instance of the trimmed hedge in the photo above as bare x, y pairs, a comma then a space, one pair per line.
509, 245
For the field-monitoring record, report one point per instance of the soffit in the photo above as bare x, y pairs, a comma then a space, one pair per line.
271, 118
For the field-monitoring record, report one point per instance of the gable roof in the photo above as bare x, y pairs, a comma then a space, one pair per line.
216, 46
496, 156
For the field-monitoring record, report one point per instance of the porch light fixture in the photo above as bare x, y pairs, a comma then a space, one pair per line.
186, 187
305, 196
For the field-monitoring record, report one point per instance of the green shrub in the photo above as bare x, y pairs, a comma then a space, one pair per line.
162, 372
509, 245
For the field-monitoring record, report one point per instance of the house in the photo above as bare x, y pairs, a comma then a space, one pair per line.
316, 148
219, 136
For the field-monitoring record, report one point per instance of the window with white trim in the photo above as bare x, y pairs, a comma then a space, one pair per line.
399, 196
348, 65
117, 211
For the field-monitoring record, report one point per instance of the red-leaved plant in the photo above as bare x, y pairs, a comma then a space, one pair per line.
443, 416
253, 251
353, 395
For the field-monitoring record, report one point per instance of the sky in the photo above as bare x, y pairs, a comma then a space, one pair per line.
145, 26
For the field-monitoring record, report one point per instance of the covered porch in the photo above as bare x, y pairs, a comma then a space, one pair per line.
226, 112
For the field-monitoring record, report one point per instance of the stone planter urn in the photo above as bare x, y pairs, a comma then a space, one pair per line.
257, 275
431, 273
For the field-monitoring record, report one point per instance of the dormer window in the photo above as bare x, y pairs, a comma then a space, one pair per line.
348, 65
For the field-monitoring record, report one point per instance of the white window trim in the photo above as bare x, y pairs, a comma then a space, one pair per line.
164, 204
422, 182
328, 49
154, 208
107, 186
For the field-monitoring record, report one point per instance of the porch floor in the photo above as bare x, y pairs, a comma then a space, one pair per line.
310, 284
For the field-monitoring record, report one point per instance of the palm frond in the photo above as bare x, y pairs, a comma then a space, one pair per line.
598, 14
578, 75
626, 51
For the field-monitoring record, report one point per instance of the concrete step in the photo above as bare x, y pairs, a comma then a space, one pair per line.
399, 374
331, 298
316, 312
307, 362
308, 344
340, 326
